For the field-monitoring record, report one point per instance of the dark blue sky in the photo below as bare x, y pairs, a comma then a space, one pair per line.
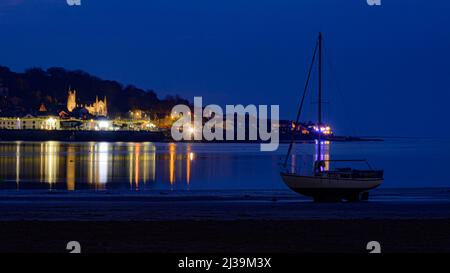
387, 68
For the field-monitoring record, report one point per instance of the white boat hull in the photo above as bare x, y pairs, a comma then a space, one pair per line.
330, 189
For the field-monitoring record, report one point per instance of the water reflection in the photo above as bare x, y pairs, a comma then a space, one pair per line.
303, 161
70, 163
324, 153
140, 166
99, 164
188, 164
74, 166
163, 166
172, 149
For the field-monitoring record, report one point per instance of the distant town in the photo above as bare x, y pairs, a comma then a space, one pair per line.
36, 100
51, 100
94, 117
78, 116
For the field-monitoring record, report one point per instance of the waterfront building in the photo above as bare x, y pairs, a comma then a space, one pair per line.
99, 108
30, 122
42, 108
71, 100
139, 114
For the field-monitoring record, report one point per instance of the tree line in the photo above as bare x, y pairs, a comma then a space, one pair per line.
25, 92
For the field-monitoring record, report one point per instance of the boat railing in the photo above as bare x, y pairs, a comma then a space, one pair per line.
294, 168
368, 174
350, 160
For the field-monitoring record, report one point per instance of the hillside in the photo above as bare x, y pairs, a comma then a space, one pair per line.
22, 93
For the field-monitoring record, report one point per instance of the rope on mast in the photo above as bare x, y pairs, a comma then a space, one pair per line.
301, 103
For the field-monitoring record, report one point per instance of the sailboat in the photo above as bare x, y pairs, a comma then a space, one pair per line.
325, 185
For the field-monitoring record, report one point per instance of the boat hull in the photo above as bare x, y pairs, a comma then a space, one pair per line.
330, 189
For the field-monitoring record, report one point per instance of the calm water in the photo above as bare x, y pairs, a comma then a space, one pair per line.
161, 166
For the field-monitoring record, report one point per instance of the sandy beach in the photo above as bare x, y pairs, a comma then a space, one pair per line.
263, 222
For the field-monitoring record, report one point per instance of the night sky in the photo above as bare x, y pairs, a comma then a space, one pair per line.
386, 69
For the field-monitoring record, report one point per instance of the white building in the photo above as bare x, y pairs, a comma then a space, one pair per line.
30, 123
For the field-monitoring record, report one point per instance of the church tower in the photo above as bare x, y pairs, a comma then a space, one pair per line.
71, 100
106, 107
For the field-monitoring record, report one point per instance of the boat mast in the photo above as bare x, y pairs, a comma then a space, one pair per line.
319, 125
297, 120
320, 78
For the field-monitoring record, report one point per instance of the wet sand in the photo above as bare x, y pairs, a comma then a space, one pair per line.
243, 223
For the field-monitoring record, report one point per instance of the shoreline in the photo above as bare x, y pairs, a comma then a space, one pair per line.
141, 136
217, 206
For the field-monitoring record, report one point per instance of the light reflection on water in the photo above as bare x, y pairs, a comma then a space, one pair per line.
124, 166
76, 165
177, 166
